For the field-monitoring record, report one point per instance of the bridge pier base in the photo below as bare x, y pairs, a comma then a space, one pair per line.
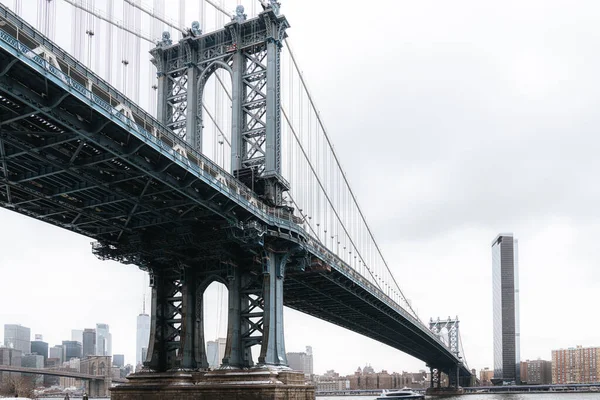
230, 384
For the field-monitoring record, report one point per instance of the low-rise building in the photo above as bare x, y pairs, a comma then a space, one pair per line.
536, 372
485, 376
332, 385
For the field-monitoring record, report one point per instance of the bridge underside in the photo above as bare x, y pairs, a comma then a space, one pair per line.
70, 163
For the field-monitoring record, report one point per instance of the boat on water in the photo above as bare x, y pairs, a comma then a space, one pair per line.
404, 393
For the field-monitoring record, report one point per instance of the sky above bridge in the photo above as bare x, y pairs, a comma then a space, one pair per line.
455, 121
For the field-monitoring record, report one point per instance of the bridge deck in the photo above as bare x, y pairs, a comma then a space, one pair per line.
69, 157
56, 372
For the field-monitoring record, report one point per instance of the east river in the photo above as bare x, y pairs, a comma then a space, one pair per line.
487, 396
490, 396
495, 396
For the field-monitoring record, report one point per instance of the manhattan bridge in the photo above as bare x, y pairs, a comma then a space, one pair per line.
194, 151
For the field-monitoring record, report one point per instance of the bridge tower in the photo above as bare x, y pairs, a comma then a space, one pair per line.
250, 51
250, 266
448, 331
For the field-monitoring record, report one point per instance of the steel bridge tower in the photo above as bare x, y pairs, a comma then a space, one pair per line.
450, 328
250, 51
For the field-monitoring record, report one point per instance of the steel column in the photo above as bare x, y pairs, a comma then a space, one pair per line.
273, 344
237, 150
200, 342
193, 134
273, 131
156, 356
186, 357
233, 347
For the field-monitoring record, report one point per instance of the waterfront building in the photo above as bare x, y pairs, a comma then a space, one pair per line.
89, 342
485, 376
367, 379
40, 347
118, 360
17, 337
333, 385
103, 340
71, 349
539, 372
302, 362
142, 338
576, 365
505, 288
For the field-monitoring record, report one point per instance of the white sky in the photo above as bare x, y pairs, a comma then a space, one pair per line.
455, 121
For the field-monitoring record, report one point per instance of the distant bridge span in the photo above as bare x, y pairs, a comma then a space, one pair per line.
59, 373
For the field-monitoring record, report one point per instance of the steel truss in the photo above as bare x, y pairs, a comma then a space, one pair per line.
451, 328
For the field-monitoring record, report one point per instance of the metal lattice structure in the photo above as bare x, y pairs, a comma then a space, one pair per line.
250, 51
448, 330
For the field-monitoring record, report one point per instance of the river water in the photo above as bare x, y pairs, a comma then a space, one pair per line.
496, 396
487, 396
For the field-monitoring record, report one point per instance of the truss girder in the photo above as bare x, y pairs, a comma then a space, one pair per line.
73, 169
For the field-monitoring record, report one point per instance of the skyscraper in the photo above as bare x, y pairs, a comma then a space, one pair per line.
215, 352
17, 337
77, 335
39, 347
71, 349
89, 342
142, 336
505, 287
103, 340
302, 362
118, 360
212, 354
57, 353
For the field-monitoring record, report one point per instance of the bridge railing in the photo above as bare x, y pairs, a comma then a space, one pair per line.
190, 158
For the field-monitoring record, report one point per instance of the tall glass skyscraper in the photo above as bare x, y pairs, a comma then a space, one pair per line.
505, 282
142, 337
89, 342
103, 340
17, 337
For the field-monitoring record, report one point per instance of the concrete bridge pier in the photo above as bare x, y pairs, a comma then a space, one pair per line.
453, 378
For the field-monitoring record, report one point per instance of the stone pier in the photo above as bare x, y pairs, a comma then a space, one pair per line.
246, 384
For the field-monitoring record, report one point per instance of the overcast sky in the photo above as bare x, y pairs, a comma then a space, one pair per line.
455, 121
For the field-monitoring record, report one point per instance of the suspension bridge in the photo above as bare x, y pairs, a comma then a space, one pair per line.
219, 169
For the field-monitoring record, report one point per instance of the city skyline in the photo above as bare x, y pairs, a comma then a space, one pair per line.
511, 109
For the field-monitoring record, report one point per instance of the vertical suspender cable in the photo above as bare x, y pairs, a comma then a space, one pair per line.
109, 40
